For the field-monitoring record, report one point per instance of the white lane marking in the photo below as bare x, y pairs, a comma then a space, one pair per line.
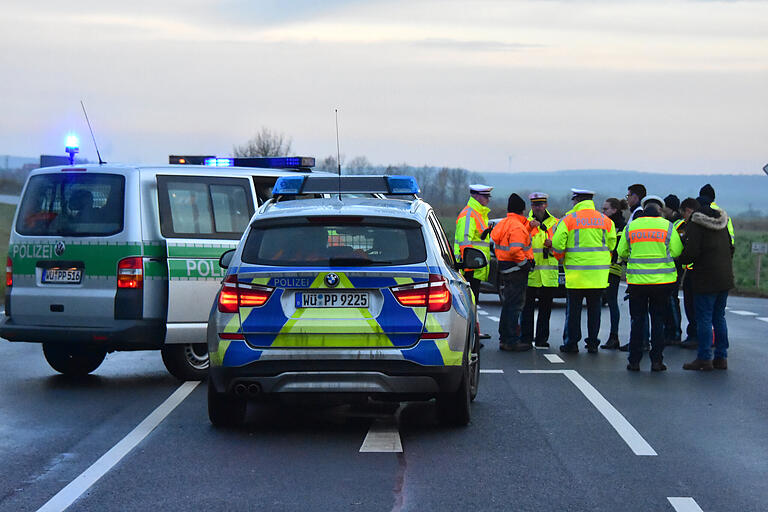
382, 437
763, 318
482, 370
540, 348
619, 423
484, 313
685, 504
742, 313
90, 476
553, 358
494, 318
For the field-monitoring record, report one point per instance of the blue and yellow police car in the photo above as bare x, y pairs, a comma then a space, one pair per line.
351, 291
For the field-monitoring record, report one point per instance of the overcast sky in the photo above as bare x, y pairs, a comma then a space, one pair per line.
530, 85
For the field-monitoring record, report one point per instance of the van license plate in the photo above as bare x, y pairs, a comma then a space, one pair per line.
332, 300
62, 275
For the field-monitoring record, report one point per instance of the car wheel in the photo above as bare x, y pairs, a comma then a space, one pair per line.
225, 410
454, 408
474, 372
186, 362
73, 360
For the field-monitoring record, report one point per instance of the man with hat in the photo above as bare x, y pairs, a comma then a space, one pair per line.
584, 238
543, 280
512, 243
472, 231
649, 245
708, 193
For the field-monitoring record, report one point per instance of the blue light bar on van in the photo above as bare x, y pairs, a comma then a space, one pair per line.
219, 162
288, 185
403, 185
396, 185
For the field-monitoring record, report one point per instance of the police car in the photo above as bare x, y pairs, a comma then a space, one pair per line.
344, 295
112, 257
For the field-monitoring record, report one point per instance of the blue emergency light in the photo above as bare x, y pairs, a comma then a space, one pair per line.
72, 147
394, 185
219, 162
266, 162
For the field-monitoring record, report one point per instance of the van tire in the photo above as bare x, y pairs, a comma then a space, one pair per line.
187, 361
454, 408
225, 410
73, 360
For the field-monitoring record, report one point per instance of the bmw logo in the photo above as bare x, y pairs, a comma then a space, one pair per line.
331, 280
59, 249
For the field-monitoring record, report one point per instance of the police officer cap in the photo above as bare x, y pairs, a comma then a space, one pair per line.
538, 197
653, 199
480, 189
581, 192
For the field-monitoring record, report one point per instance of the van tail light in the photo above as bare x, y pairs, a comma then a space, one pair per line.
234, 295
130, 273
434, 294
8, 272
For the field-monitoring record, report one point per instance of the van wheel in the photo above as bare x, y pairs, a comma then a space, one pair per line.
454, 408
73, 360
474, 373
225, 410
186, 361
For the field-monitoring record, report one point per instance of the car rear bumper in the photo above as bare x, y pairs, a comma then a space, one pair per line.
362, 377
118, 335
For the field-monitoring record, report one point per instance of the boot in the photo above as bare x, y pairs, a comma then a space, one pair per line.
690, 344
569, 348
516, 347
658, 366
633, 367
720, 363
624, 348
699, 364
612, 343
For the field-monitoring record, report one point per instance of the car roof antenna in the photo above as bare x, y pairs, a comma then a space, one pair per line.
338, 151
101, 162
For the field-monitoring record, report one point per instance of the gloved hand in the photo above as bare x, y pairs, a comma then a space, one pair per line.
530, 265
486, 232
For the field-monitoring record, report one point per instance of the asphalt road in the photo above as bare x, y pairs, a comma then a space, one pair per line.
545, 435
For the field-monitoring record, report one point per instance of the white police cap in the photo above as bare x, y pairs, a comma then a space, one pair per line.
538, 197
480, 189
653, 199
581, 192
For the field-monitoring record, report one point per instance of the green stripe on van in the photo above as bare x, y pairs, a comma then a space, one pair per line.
199, 250
100, 259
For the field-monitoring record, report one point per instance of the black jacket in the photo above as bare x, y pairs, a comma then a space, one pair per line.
619, 223
708, 247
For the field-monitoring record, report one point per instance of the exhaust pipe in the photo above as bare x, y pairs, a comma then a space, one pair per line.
254, 389
240, 389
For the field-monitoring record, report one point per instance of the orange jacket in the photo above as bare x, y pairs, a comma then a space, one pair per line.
512, 240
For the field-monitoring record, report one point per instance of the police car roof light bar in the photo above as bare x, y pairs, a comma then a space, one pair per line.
267, 162
394, 185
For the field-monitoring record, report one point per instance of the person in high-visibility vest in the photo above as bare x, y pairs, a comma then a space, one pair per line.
543, 280
585, 238
649, 244
512, 245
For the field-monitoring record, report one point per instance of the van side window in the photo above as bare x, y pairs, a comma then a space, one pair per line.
204, 207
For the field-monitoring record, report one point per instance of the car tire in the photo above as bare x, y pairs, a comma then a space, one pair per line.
225, 410
73, 360
453, 408
186, 361
474, 371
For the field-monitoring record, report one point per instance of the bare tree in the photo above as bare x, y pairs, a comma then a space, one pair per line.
328, 164
264, 143
359, 165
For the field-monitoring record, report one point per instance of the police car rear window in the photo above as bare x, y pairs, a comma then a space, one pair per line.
70, 204
330, 241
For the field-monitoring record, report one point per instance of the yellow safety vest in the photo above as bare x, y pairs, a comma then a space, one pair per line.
650, 246
545, 272
470, 224
714, 206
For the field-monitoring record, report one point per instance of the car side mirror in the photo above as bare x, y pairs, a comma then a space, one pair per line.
226, 258
473, 259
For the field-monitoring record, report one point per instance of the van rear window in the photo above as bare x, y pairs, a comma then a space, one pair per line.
69, 204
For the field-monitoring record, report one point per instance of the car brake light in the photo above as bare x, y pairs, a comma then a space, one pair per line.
234, 295
434, 295
130, 273
8, 272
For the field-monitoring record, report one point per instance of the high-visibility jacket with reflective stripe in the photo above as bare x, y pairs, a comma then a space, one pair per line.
512, 240
650, 245
714, 206
545, 272
679, 226
470, 224
585, 237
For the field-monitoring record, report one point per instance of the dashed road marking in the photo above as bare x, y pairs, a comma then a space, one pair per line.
763, 318
685, 504
742, 313
65, 497
382, 437
494, 318
624, 428
553, 358
484, 313
482, 370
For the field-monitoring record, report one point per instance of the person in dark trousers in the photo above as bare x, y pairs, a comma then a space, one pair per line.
614, 208
649, 245
673, 317
635, 195
687, 208
709, 247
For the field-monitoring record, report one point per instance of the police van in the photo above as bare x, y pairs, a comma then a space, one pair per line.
109, 257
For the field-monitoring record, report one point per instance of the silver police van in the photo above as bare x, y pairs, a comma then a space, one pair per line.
108, 257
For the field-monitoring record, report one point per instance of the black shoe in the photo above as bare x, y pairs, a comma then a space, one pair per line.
612, 343
542, 344
658, 366
633, 367
569, 349
690, 344
484, 336
673, 342
624, 348
516, 347
592, 349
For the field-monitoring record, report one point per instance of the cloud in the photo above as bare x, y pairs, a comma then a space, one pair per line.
475, 46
